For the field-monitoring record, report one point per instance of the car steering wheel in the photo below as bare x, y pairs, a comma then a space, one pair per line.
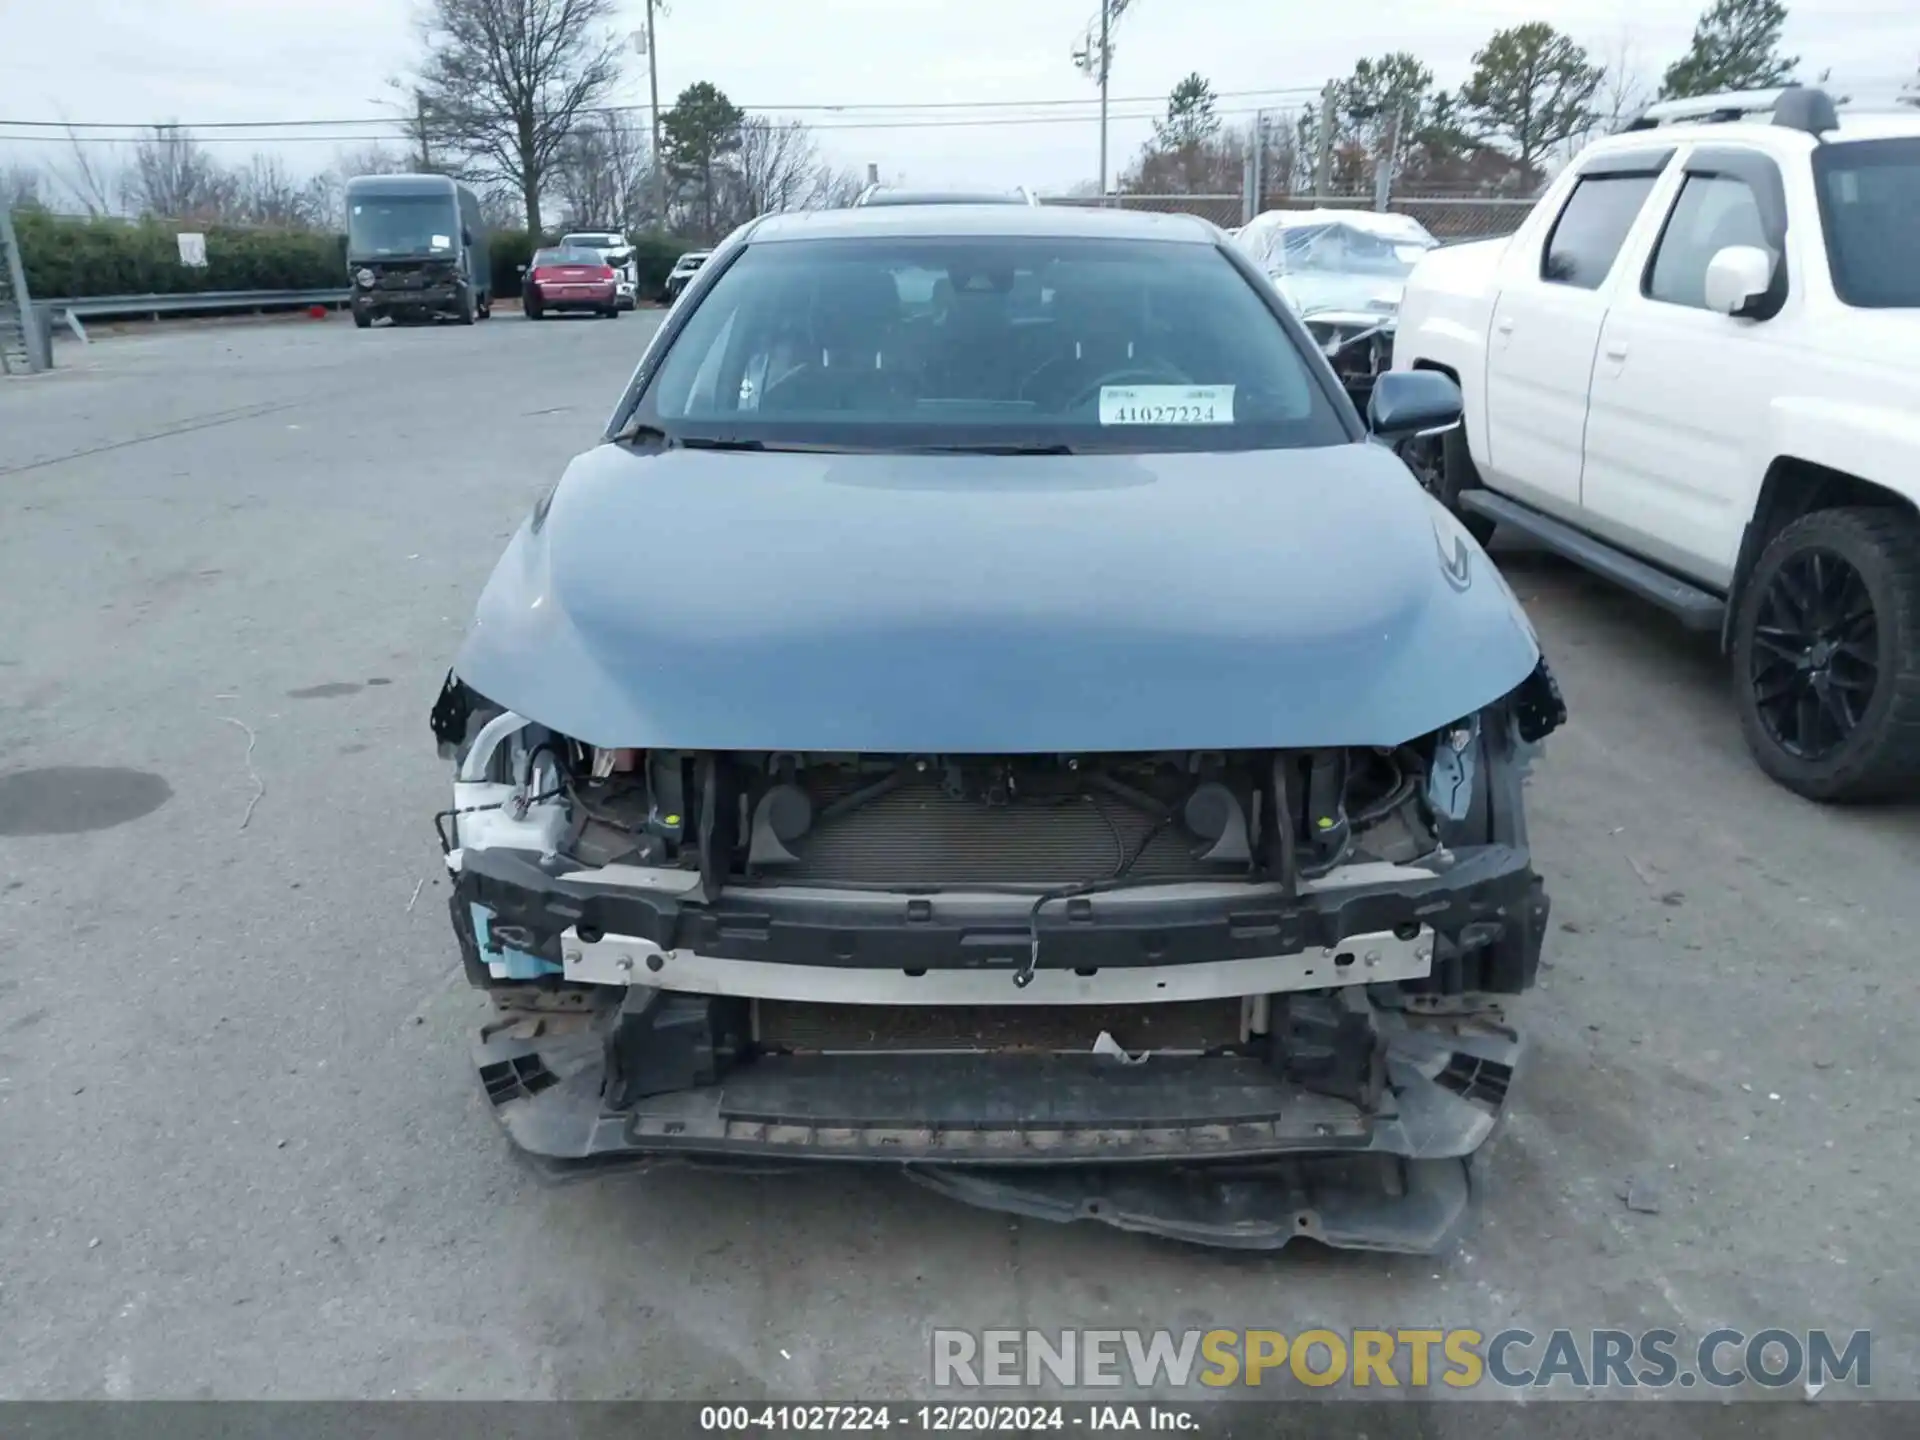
1139, 375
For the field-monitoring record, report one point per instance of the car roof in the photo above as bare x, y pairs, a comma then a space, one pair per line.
881, 195
999, 220
400, 184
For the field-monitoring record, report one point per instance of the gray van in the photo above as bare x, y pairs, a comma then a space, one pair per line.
416, 250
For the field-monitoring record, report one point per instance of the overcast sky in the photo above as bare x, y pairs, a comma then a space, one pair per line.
245, 60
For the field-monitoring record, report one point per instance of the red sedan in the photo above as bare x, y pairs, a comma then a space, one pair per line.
561, 279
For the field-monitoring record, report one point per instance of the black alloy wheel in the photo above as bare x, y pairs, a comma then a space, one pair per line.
1826, 655
1815, 662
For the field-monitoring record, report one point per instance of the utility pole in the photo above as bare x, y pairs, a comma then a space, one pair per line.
1106, 66
1258, 190
420, 121
1096, 59
643, 42
1383, 171
1323, 162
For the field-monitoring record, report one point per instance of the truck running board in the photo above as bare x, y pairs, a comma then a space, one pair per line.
1697, 609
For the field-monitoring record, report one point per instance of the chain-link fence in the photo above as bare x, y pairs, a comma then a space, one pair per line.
1450, 218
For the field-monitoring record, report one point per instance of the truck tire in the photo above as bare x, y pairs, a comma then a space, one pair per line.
1826, 655
361, 320
1445, 467
466, 314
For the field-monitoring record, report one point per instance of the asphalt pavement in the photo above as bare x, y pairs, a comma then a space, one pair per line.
243, 1153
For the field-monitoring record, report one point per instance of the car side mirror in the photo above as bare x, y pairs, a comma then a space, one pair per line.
1737, 277
1413, 402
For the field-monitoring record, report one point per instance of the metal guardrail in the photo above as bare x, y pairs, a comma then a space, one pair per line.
106, 307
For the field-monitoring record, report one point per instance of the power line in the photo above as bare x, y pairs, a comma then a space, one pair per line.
369, 137
910, 107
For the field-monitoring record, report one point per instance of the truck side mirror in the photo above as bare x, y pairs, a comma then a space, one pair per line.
466, 236
1738, 277
1412, 402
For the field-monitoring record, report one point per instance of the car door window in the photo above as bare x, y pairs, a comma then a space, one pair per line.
1587, 237
1710, 213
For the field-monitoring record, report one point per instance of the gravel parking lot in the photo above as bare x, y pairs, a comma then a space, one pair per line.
244, 1153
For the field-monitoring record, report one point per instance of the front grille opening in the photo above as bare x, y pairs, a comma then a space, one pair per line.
1189, 1027
921, 834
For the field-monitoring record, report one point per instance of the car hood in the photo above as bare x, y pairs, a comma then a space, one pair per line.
1362, 294
976, 604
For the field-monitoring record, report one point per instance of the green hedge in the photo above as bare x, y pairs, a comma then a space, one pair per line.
655, 255
71, 258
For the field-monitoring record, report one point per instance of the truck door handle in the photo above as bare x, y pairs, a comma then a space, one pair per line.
1617, 350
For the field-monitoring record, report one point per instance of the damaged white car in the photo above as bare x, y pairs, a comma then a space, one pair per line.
1343, 272
991, 708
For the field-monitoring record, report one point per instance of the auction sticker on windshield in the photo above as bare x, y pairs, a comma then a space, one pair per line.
1166, 404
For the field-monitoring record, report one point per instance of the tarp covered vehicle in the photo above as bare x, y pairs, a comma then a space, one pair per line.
989, 708
1343, 271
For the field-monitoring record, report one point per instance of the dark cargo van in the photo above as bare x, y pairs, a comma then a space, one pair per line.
416, 250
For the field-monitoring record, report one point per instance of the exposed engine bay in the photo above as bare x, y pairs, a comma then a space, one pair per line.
1359, 346
930, 821
965, 962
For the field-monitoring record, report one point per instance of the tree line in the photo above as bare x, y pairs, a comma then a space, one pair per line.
514, 96
1534, 96
511, 96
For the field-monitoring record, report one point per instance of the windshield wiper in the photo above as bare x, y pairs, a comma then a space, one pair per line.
640, 433
990, 448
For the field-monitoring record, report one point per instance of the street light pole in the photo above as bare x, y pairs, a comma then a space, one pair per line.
1106, 64
659, 165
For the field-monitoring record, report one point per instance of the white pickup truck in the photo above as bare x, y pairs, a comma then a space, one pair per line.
1695, 369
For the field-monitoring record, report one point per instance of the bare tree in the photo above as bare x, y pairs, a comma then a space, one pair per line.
372, 158
175, 176
21, 187
93, 180
603, 173
1624, 92
265, 193
1215, 165
500, 208
835, 187
506, 81
776, 167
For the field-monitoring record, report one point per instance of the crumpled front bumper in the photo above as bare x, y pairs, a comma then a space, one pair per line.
1219, 1150
1351, 1114
424, 297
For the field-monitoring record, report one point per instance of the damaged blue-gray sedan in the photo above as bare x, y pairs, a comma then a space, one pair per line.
991, 708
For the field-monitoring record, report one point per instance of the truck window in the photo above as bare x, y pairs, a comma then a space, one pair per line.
1870, 210
1710, 213
1592, 228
